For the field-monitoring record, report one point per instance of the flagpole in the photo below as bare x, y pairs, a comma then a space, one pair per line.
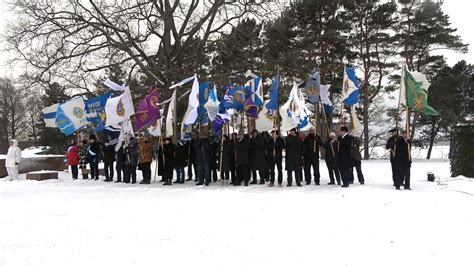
175, 119
408, 131
327, 127
222, 151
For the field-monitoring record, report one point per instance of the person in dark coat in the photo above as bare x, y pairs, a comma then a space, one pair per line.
120, 166
131, 161
242, 160
403, 161
277, 145
311, 145
94, 156
181, 161
145, 157
344, 157
356, 160
192, 160
391, 145
169, 161
215, 145
268, 155
108, 157
203, 158
233, 172
227, 163
330, 147
293, 157
257, 157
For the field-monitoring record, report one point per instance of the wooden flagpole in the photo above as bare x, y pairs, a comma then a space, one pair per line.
222, 151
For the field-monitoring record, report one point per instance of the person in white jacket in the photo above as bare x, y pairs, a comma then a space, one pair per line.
13, 159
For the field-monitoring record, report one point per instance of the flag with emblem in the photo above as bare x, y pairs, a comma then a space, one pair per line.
414, 92
350, 87
95, 111
71, 116
313, 86
119, 109
148, 110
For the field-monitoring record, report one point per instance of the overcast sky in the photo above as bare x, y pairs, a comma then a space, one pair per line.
460, 12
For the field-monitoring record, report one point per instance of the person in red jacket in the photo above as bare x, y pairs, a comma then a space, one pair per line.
73, 158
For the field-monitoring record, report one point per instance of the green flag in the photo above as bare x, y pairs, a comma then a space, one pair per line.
416, 94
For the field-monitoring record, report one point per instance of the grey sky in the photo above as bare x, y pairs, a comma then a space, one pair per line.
460, 12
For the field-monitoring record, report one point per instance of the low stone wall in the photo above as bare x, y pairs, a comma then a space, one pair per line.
54, 163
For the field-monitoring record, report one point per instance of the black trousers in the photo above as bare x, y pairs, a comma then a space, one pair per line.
345, 175
232, 176
243, 174
261, 173
394, 172
94, 170
289, 177
333, 171
358, 166
193, 166
130, 173
204, 173
308, 164
276, 163
121, 169
403, 174
109, 170
225, 175
146, 171
74, 171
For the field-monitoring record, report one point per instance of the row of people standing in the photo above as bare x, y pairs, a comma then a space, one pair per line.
246, 159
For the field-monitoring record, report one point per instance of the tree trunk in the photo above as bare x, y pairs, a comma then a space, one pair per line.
433, 133
366, 121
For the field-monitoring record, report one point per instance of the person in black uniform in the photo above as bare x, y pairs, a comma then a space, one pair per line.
257, 156
93, 156
403, 161
169, 153
108, 156
120, 166
330, 147
192, 162
204, 152
242, 150
227, 163
233, 172
268, 155
311, 145
293, 158
181, 161
277, 145
391, 145
131, 161
215, 145
344, 158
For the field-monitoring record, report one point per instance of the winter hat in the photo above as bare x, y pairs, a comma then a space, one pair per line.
92, 136
345, 129
332, 134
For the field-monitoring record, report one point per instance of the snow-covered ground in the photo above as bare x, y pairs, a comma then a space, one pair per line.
65, 222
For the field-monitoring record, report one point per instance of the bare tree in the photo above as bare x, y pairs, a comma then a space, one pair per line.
73, 41
14, 109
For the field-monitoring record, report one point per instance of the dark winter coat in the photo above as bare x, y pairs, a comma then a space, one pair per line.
169, 153
293, 153
107, 153
228, 156
276, 148
257, 153
344, 151
242, 150
391, 144
402, 154
131, 152
181, 155
203, 151
216, 149
94, 152
330, 153
311, 146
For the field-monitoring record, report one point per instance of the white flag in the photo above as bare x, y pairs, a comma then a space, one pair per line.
192, 112
324, 94
264, 121
119, 109
212, 104
289, 111
114, 86
356, 125
49, 115
170, 120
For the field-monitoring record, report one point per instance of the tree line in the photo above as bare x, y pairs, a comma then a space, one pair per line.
69, 47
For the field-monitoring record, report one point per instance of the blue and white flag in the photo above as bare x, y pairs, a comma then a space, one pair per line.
255, 87
235, 98
325, 98
95, 111
212, 105
71, 116
114, 134
49, 115
289, 111
203, 97
191, 114
350, 87
272, 104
